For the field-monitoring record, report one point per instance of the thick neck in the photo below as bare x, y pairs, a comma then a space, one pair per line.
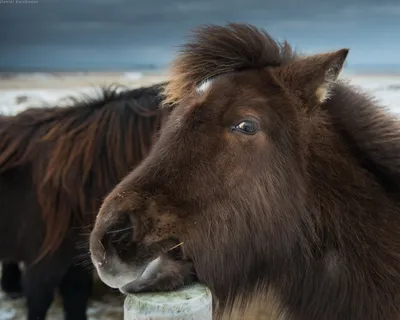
354, 269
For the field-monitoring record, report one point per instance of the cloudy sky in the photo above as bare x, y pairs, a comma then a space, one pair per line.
121, 34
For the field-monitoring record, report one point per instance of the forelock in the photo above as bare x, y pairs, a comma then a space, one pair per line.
213, 50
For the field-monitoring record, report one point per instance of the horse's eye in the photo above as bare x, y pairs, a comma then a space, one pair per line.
247, 127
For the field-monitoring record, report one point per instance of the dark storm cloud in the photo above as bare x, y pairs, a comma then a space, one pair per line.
60, 29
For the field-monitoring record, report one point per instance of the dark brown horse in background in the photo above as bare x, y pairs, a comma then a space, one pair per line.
277, 180
56, 165
10, 271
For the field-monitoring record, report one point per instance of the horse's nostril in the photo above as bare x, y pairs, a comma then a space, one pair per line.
121, 237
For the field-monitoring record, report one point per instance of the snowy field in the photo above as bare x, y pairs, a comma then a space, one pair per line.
386, 89
106, 307
12, 100
18, 94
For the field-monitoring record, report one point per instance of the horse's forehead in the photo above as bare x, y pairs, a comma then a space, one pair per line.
228, 80
230, 87
220, 94
234, 82
215, 88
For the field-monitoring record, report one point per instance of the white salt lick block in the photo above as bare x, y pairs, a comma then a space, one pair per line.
192, 302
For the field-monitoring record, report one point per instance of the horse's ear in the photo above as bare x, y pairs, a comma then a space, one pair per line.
314, 75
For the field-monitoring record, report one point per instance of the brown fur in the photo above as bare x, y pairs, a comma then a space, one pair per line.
305, 212
75, 151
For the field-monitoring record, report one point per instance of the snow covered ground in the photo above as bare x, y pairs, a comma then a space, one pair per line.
385, 88
109, 307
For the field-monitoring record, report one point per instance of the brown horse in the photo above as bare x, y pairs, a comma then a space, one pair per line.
56, 165
277, 179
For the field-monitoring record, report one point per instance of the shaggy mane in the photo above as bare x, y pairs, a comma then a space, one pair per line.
371, 129
213, 50
80, 150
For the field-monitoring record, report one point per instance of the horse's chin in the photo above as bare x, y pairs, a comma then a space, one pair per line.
149, 272
121, 274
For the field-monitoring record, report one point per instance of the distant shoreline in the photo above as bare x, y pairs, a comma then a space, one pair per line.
132, 78
59, 80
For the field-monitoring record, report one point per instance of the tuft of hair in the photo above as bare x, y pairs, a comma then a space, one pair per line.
77, 153
213, 50
261, 305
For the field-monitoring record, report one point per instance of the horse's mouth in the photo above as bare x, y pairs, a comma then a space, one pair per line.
148, 275
167, 271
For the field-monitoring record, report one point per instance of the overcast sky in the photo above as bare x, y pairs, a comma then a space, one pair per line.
123, 33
